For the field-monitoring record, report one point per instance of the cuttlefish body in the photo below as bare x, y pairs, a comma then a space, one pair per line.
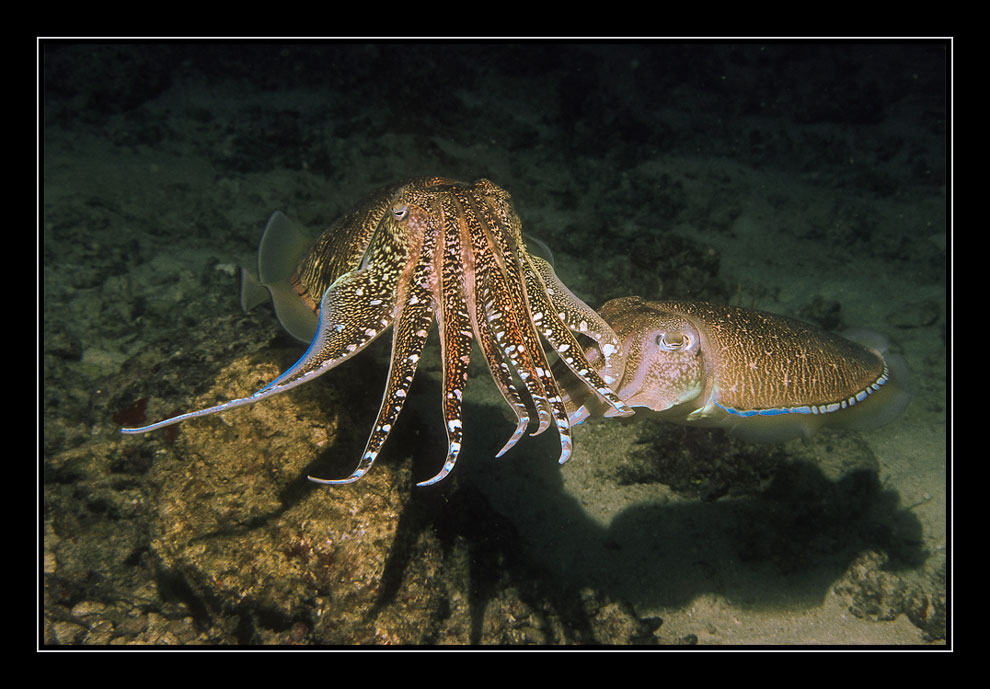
763, 376
424, 251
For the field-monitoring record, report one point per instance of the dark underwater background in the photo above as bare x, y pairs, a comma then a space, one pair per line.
803, 178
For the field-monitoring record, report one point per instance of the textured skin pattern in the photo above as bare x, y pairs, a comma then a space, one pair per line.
764, 376
762, 361
434, 249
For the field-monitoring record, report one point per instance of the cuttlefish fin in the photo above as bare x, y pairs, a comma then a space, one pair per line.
282, 247
537, 247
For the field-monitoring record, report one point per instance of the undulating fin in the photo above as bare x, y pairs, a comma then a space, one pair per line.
896, 392
542, 250
281, 249
253, 292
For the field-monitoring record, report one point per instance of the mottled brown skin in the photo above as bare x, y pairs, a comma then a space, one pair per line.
436, 249
768, 376
764, 361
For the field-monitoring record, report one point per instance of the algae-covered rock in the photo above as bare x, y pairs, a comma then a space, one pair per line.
239, 524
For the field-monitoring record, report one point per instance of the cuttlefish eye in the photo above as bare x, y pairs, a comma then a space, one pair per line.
400, 211
673, 341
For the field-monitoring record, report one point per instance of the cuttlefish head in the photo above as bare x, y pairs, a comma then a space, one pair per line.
662, 364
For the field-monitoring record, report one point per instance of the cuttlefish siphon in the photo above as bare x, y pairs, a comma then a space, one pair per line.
762, 376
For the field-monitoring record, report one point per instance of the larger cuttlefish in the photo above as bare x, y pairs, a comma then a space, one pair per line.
762, 376
418, 251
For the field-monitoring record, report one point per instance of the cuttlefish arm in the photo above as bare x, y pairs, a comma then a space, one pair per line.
763, 376
417, 252
354, 311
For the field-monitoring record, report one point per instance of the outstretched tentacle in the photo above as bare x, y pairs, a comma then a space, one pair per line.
354, 311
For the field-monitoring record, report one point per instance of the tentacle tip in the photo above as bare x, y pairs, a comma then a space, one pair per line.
539, 429
136, 430
516, 435
429, 482
335, 481
448, 465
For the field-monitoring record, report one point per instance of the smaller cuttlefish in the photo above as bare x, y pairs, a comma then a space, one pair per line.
762, 376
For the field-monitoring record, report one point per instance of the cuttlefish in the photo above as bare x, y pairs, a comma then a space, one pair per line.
417, 252
762, 376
